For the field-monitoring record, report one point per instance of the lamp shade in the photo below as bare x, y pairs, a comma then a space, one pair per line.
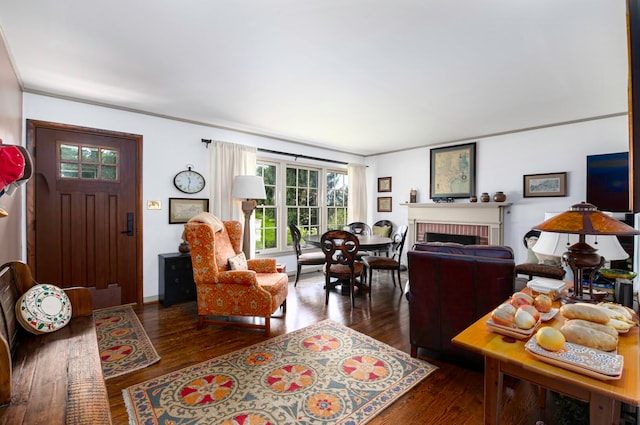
248, 187
585, 219
556, 244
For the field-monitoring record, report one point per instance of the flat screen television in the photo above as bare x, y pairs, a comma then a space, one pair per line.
608, 181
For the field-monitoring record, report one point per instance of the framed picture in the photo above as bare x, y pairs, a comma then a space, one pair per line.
384, 204
550, 184
453, 171
182, 209
384, 184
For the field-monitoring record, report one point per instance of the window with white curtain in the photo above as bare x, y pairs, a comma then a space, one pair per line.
310, 196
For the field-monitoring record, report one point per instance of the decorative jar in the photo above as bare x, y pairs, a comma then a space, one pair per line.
485, 197
473, 199
184, 247
499, 197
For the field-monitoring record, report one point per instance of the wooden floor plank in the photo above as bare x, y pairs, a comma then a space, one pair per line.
452, 394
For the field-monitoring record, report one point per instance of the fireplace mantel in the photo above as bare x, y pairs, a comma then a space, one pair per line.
484, 214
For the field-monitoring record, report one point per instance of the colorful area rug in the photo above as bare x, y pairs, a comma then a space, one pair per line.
123, 343
324, 373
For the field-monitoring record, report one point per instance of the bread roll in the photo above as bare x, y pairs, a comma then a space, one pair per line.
589, 337
582, 311
608, 329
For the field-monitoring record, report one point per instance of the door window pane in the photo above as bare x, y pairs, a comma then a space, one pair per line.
87, 162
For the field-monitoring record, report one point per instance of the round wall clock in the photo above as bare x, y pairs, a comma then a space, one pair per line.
189, 181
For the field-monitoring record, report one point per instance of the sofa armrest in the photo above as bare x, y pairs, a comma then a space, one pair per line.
262, 265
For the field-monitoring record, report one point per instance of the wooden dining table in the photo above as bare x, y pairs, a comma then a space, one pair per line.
507, 356
367, 243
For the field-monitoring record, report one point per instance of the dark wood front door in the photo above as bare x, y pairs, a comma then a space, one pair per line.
83, 213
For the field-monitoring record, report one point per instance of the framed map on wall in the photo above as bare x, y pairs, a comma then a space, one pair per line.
453, 171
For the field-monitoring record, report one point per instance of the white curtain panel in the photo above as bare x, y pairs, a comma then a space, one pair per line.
227, 160
357, 204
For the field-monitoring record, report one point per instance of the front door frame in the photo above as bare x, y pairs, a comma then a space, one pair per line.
32, 125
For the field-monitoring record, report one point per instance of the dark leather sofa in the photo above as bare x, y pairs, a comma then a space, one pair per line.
450, 287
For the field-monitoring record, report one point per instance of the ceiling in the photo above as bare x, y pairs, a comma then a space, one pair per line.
359, 76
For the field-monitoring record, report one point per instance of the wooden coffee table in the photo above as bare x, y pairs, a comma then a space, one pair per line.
507, 356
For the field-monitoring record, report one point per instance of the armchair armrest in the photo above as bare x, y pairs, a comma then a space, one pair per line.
237, 277
262, 265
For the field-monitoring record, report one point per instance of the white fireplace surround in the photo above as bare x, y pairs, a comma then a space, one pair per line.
484, 219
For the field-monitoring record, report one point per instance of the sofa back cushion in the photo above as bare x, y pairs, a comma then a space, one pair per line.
490, 251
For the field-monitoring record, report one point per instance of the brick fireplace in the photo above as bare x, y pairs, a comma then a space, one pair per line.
485, 220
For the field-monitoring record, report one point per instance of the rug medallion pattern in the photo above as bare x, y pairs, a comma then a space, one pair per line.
123, 343
324, 373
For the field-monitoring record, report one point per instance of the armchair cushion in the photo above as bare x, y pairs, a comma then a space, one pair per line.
238, 262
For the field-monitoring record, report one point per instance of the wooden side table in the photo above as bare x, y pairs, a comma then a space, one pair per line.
281, 267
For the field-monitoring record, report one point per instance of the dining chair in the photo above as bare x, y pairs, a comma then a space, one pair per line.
375, 262
360, 228
308, 258
340, 248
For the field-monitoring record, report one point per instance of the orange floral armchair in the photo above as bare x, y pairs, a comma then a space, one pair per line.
257, 292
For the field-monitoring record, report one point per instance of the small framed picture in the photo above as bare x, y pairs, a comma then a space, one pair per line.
384, 184
549, 184
384, 204
182, 209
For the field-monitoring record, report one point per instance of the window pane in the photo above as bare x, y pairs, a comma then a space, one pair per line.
291, 196
271, 198
270, 238
302, 197
303, 177
68, 153
304, 216
314, 219
89, 154
313, 197
270, 217
89, 171
291, 176
108, 172
69, 171
268, 174
292, 216
313, 179
109, 156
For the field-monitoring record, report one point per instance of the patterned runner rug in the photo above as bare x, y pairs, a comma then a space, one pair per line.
324, 373
124, 345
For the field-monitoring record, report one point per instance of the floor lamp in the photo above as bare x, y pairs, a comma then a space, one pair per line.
248, 188
580, 221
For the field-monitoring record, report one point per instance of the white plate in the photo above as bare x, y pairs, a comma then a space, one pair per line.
545, 317
514, 332
578, 358
43, 308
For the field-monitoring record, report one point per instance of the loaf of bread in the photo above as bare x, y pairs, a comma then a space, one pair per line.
585, 311
589, 337
608, 329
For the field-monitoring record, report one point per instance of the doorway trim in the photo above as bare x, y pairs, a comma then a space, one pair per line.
31, 127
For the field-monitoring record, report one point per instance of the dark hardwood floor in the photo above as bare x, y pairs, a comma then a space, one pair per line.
450, 395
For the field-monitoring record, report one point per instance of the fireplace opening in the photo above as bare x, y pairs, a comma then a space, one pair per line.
447, 237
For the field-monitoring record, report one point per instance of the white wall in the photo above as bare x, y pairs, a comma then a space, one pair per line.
501, 162
168, 145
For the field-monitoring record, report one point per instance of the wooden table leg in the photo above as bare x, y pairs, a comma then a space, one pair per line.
603, 409
492, 391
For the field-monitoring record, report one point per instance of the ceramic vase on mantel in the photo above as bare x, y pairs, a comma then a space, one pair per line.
485, 197
499, 197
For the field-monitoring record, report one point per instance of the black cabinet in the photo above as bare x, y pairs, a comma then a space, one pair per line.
176, 279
